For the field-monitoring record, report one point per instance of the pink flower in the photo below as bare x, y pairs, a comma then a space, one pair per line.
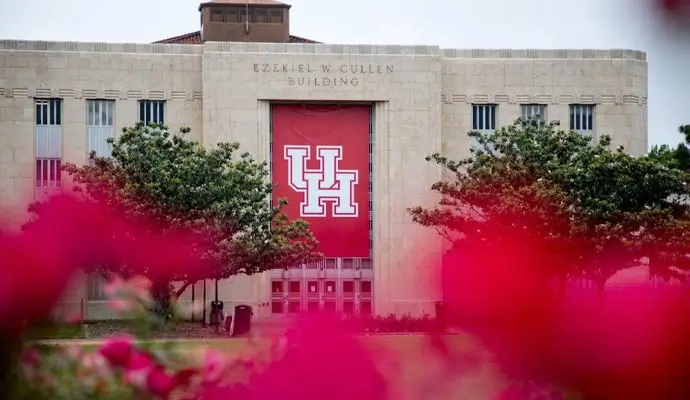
137, 369
213, 366
160, 383
115, 284
118, 350
74, 351
139, 361
140, 284
120, 305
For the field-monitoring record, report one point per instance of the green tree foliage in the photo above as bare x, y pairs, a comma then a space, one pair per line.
678, 157
586, 207
176, 184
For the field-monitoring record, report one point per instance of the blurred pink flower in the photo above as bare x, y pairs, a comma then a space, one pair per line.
74, 351
75, 318
213, 367
159, 383
118, 350
120, 305
140, 284
114, 286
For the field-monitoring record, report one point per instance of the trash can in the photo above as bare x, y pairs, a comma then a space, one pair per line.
242, 320
216, 316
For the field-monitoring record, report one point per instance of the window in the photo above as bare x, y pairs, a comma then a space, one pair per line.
49, 128
48, 173
232, 15
582, 117
294, 307
275, 15
312, 287
152, 111
100, 125
95, 285
484, 117
533, 111
48, 146
243, 15
277, 287
260, 15
277, 307
216, 16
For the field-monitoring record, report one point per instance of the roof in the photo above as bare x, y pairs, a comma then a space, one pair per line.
244, 3
250, 2
195, 37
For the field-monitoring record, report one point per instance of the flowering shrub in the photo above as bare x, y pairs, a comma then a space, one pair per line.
122, 368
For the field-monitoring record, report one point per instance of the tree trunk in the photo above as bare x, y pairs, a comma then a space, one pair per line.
182, 288
161, 291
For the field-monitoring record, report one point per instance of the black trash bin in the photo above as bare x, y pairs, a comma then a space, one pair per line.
242, 320
216, 316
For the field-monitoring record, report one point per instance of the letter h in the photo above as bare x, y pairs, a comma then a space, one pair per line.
327, 184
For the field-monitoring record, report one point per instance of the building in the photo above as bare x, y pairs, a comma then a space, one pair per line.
244, 78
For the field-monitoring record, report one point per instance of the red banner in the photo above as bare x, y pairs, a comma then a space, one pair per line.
321, 166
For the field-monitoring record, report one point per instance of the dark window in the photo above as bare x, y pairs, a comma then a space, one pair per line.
49, 112
348, 307
260, 15
294, 287
312, 287
277, 307
294, 307
329, 287
217, 16
275, 15
581, 117
152, 111
483, 117
276, 287
365, 308
365, 286
48, 173
232, 15
329, 306
243, 15
348, 287
348, 263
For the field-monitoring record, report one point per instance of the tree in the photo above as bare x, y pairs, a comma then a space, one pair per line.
678, 158
176, 186
581, 206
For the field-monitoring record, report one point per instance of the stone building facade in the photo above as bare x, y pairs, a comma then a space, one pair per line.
60, 100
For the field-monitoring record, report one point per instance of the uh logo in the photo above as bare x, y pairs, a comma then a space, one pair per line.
326, 185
